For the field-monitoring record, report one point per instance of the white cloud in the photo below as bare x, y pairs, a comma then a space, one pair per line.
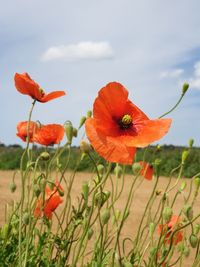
195, 80
79, 51
175, 73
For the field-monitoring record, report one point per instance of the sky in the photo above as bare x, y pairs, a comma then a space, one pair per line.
151, 47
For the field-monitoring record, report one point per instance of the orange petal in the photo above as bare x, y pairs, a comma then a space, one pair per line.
108, 147
51, 96
146, 171
149, 131
25, 85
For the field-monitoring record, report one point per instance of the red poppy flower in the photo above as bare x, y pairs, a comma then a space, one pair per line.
118, 126
22, 128
167, 230
25, 85
52, 201
146, 170
49, 134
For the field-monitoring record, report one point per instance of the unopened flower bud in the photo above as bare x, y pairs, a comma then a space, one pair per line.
116, 216
36, 190
167, 214
85, 190
69, 131
45, 156
158, 192
89, 114
185, 155
156, 165
183, 186
196, 228
118, 171
26, 218
90, 233
106, 195
101, 169
186, 251
193, 240
185, 88
5, 231
85, 147
82, 121
187, 210
197, 183
75, 132
105, 216
127, 264
191, 142
158, 147
13, 187
151, 228
136, 167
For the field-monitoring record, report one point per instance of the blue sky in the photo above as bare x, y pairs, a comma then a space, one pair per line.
151, 47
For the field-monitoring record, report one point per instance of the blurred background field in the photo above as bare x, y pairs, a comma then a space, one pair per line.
169, 155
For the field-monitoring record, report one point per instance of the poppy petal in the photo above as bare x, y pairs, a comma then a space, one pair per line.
149, 131
108, 147
51, 96
25, 85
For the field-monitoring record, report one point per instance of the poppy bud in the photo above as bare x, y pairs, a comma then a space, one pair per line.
151, 228
105, 216
106, 195
13, 187
186, 251
117, 216
193, 240
82, 121
196, 228
191, 142
26, 218
90, 233
185, 156
187, 210
89, 114
197, 183
36, 190
5, 230
127, 264
85, 147
69, 131
136, 167
118, 171
158, 192
85, 190
156, 165
183, 186
45, 156
158, 147
167, 214
185, 88
126, 214
100, 169
75, 132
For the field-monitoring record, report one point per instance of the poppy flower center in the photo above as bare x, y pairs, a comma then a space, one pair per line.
126, 122
41, 91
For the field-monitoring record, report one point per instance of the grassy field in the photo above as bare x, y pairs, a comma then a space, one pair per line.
137, 208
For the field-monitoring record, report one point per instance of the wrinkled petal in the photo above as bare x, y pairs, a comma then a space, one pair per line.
146, 171
107, 147
49, 134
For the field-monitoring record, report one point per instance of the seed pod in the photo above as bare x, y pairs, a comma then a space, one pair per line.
167, 214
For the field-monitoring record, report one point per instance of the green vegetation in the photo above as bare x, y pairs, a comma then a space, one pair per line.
169, 155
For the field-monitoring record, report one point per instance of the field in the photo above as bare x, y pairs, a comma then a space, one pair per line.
137, 208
